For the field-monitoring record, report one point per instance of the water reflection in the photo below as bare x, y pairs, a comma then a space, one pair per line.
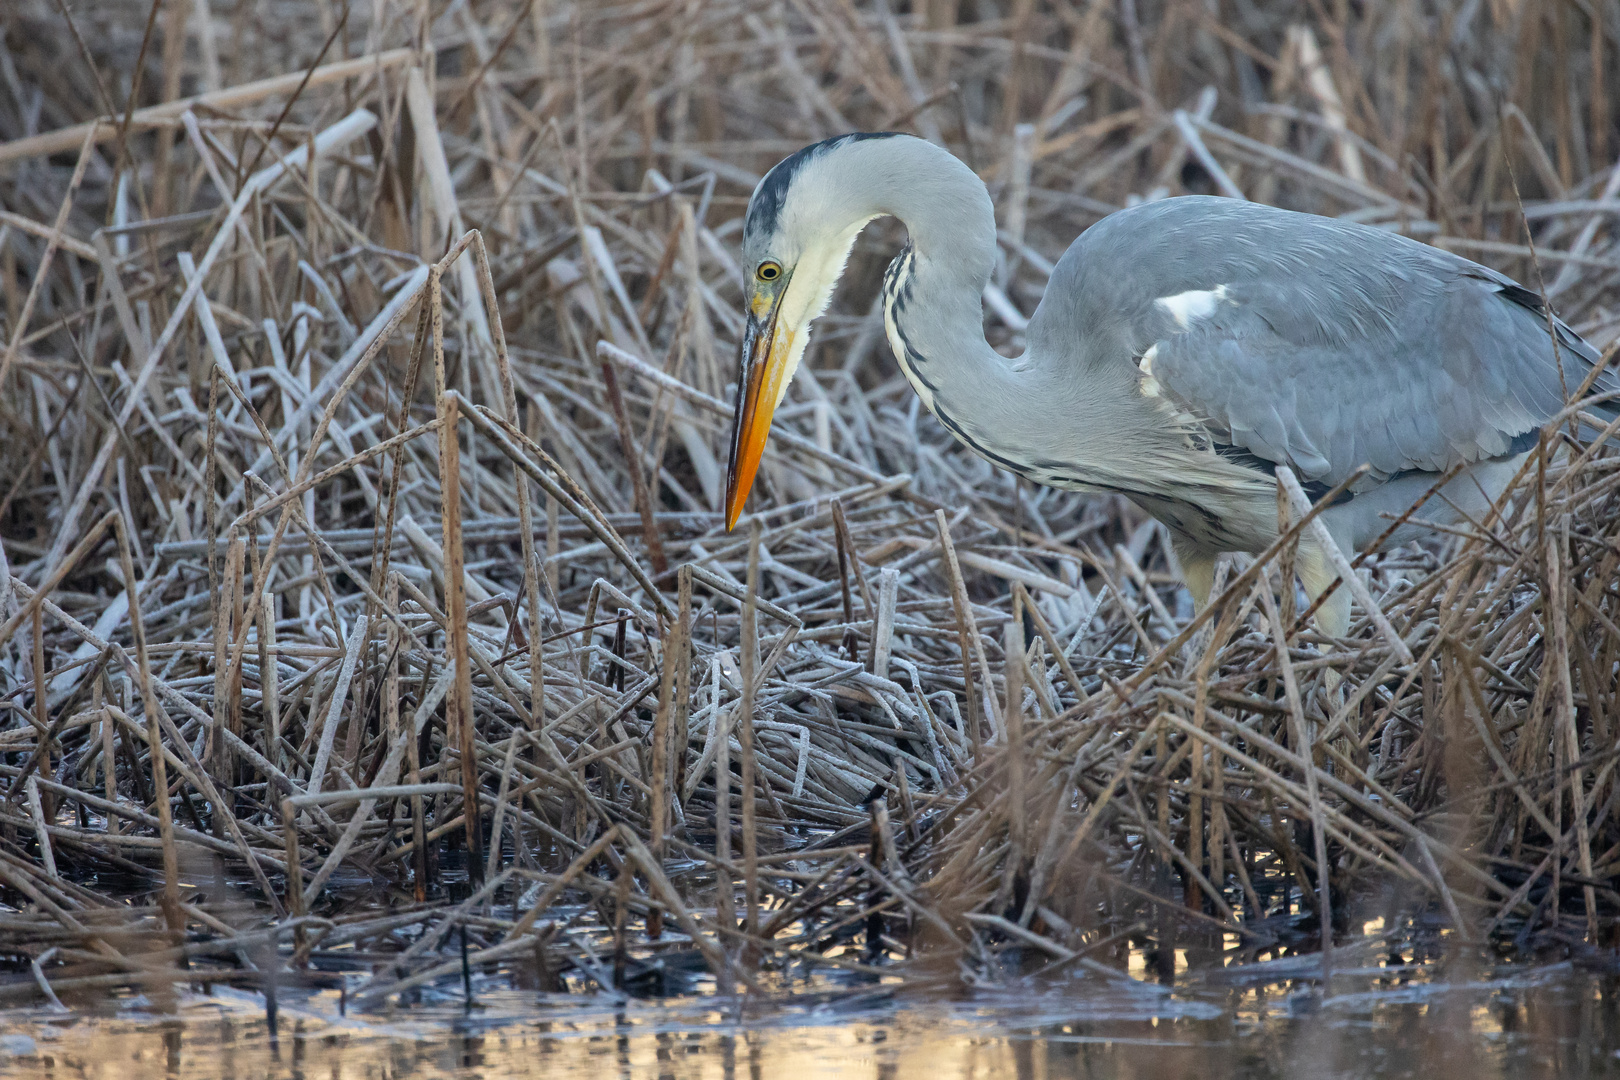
1554, 1021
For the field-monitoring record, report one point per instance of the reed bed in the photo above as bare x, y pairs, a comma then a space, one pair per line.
364, 603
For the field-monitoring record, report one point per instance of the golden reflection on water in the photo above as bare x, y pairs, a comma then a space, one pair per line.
223, 1050
1557, 1025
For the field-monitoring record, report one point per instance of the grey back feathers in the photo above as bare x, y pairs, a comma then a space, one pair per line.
1329, 345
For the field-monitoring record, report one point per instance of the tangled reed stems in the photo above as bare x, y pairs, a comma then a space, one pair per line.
365, 385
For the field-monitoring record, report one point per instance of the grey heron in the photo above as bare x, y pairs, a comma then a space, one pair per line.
1183, 349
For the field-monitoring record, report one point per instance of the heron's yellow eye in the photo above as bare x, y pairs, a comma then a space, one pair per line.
768, 271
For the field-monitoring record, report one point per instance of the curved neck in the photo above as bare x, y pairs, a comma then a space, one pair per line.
952, 250
933, 305
1068, 412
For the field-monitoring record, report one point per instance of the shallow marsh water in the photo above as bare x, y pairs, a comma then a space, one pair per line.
1455, 1018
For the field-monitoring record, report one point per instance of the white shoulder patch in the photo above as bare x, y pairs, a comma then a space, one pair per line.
1197, 304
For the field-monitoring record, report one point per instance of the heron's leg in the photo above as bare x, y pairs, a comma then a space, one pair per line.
1316, 573
1197, 569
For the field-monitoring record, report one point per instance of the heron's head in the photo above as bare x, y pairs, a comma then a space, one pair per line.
802, 221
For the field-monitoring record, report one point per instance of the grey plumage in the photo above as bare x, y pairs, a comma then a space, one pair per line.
1335, 344
1186, 347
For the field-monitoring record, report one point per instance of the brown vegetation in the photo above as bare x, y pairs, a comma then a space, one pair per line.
407, 532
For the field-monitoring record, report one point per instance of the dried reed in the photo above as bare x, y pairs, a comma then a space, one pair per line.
442, 268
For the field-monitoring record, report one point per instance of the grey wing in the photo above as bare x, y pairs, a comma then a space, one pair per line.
1325, 346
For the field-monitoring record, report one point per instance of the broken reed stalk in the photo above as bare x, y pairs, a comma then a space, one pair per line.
459, 713
674, 648
874, 895
36, 810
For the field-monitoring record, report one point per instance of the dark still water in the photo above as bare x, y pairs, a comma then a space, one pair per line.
1459, 1018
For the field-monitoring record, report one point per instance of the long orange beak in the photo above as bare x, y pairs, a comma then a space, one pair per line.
765, 349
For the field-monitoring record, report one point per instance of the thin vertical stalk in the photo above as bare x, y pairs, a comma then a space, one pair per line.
725, 901
845, 557
1557, 613
295, 871
638, 476
229, 712
270, 679
874, 893
459, 710
659, 811
680, 726
37, 811
1305, 744
532, 568
553, 543
109, 764
172, 912
390, 687
966, 632
42, 704
413, 759
1017, 797
745, 731
222, 637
